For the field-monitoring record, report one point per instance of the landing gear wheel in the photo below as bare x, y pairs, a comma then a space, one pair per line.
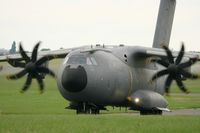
150, 112
85, 108
88, 111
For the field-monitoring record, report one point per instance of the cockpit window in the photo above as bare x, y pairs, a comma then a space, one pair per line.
77, 60
80, 59
89, 61
93, 61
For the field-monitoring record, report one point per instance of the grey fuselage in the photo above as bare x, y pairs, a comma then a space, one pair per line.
110, 79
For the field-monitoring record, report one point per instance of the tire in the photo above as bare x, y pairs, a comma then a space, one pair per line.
151, 112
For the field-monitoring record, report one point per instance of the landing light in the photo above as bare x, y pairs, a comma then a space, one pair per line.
137, 100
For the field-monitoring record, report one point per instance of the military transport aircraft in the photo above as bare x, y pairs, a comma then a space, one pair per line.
93, 77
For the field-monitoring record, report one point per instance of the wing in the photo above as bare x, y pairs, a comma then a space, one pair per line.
161, 53
56, 53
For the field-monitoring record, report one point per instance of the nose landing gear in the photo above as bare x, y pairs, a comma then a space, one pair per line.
86, 108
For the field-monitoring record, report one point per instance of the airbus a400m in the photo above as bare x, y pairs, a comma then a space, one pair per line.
93, 77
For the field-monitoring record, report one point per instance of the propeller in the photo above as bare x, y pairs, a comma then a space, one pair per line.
32, 67
175, 69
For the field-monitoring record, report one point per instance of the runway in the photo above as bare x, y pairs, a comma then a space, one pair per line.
184, 112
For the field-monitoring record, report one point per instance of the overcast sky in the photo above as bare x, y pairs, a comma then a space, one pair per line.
71, 23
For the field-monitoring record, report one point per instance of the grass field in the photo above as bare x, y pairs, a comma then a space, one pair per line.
98, 124
44, 113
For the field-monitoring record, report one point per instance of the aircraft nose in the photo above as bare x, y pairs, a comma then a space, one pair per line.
74, 79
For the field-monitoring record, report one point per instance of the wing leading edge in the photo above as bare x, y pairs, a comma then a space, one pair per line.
56, 53
157, 52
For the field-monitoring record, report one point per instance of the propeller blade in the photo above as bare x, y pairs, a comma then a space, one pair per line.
1, 68
40, 82
163, 63
28, 83
17, 76
15, 63
45, 58
168, 83
188, 75
175, 70
159, 74
169, 54
188, 63
23, 53
181, 85
32, 67
180, 55
46, 71
35, 51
